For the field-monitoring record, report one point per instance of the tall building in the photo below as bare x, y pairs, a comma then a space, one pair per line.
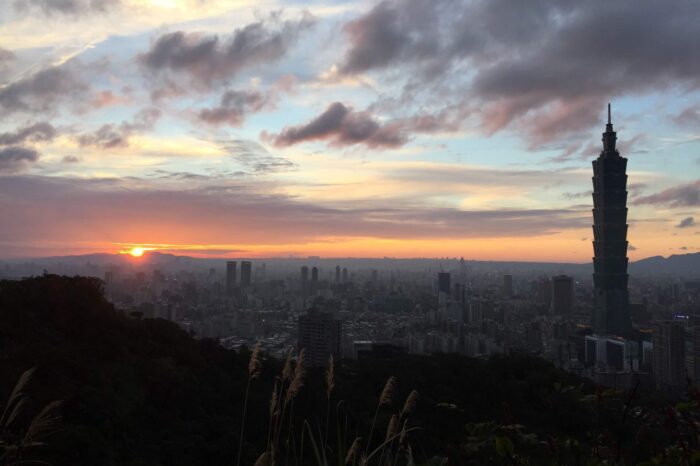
320, 335
231, 275
337, 274
507, 286
246, 273
562, 295
304, 274
314, 274
611, 314
668, 360
444, 285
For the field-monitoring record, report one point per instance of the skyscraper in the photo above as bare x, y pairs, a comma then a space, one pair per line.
304, 274
314, 274
611, 313
320, 335
507, 286
337, 274
668, 362
444, 283
562, 295
231, 273
246, 274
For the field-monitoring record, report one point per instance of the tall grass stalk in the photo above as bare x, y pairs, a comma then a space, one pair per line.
386, 398
330, 384
254, 367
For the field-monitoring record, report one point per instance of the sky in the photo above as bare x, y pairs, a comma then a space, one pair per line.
443, 128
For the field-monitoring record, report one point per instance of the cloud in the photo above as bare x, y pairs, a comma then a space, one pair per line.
15, 159
111, 136
379, 38
42, 131
579, 195
6, 57
233, 107
209, 59
631, 248
66, 7
41, 91
544, 68
108, 136
685, 195
237, 212
689, 117
341, 126
70, 159
255, 157
686, 223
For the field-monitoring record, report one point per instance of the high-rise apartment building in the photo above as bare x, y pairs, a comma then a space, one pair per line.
507, 287
246, 274
562, 295
668, 360
231, 276
320, 335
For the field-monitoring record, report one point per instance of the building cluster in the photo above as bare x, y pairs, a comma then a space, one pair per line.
607, 327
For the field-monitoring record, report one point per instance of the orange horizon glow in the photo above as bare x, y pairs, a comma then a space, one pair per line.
564, 248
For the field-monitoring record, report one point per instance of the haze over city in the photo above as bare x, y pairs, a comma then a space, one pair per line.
216, 128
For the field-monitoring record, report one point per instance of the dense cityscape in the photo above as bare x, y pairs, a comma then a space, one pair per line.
617, 336
349, 232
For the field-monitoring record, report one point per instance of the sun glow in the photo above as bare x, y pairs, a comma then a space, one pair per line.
135, 251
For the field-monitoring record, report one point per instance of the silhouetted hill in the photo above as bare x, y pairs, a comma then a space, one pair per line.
687, 265
677, 264
144, 392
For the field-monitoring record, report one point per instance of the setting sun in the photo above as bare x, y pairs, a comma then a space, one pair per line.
136, 252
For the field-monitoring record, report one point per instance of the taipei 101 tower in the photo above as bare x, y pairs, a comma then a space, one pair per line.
611, 315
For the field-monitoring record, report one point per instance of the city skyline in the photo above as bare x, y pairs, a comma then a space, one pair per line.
215, 129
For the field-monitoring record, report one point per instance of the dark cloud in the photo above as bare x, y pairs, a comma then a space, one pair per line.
110, 136
208, 59
685, 195
15, 159
342, 126
165, 174
41, 91
686, 223
545, 68
70, 159
254, 157
631, 248
42, 131
66, 7
233, 108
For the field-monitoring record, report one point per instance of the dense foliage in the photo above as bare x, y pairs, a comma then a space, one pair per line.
144, 392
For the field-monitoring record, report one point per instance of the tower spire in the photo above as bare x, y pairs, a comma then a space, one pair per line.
609, 136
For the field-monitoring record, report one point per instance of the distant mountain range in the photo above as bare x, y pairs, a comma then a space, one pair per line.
681, 264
